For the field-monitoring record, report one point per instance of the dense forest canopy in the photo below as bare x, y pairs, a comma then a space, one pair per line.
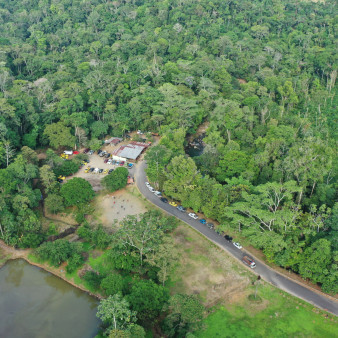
260, 73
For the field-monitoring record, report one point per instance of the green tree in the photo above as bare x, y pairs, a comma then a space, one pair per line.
59, 135
115, 313
77, 191
112, 284
54, 203
116, 180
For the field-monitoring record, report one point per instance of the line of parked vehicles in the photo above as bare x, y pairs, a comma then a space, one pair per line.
246, 259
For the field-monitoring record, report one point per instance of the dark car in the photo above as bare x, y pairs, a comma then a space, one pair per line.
114, 162
105, 161
110, 171
180, 208
210, 225
99, 151
164, 200
100, 171
228, 238
203, 221
86, 151
91, 152
91, 170
59, 180
107, 155
127, 136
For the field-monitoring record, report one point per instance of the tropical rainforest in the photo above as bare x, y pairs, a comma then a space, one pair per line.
259, 74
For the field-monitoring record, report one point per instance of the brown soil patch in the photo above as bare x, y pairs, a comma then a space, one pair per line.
117, 205
207, 271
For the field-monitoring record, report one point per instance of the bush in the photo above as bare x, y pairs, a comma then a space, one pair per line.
116, 180
93, 279
112, 284
74, 262
77, 191
67, 168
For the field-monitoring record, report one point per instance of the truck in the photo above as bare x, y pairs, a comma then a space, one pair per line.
249, 261
68, 152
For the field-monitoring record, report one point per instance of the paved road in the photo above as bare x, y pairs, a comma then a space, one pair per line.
317, 299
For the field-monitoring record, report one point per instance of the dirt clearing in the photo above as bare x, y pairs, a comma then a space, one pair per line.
118, 205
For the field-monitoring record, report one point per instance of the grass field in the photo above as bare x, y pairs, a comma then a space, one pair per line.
281, 315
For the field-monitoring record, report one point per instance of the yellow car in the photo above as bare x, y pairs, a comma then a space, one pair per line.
61, 177
174, 204
87, 169
106, 171
64, 156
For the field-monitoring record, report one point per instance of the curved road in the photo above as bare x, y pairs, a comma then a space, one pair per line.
280, 281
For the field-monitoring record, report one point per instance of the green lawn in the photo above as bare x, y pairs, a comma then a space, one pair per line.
281, 317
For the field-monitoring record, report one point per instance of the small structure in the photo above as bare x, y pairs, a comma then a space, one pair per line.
130, 151
130, 180
113, 140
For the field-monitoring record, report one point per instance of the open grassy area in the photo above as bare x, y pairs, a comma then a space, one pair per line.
280, 316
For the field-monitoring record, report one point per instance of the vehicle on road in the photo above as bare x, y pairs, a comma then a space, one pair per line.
210, 225
237, 245
164, 200
203, 221
249, 261
228, 238
180, 208
193, 215
105, 171
172, 203
110, 171
158, 193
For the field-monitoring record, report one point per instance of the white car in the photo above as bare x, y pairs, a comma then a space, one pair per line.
193, 215
237, 245
96, 170
110, 161
151, 189
147, 184
158, 193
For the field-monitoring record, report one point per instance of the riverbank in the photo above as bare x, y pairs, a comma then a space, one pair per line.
9, 253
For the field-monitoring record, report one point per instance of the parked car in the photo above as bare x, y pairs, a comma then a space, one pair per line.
249, 261
105, 171
103, 153
147, 184
193, 215
127, 136
96, 170
130, 165
122, 163
86, 151
68, 152
99, 151
203, 221
151, 189
107, 155
164, 200
158, 193
210, 225
87, 169
100, 171
105, 161
172, 203
91, 170
139, 132
117, 163
114, 162
59, 180
91, 152
110, 171
228, 238
61, 177
180, 208
110, 161
237, 245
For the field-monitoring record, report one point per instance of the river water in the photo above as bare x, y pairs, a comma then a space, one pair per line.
35, 303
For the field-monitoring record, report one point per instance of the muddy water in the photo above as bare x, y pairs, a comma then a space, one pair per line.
35, 303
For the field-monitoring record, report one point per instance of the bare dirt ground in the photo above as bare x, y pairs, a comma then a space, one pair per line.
208, 271
117, 205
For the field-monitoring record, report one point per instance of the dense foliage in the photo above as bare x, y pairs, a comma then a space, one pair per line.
116, 180
261, 74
